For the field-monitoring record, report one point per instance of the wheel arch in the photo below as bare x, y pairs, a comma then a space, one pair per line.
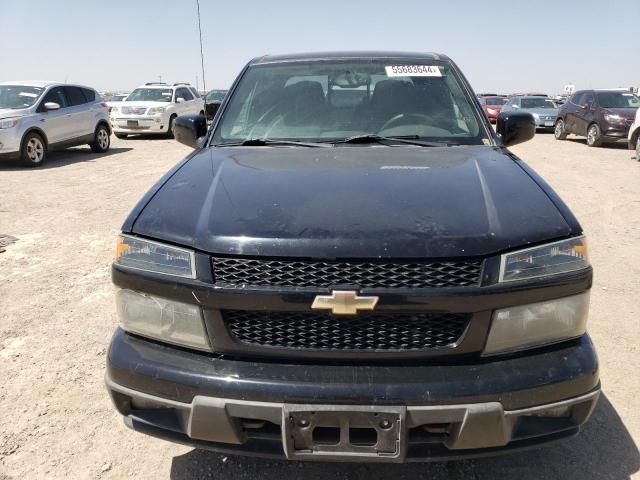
106, 124
37, 130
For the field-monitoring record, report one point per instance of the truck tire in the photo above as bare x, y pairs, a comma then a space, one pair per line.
170, 126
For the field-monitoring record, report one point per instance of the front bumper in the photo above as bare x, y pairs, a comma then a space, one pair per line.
449, 410
10, 139
544, 123
139, 124
616, 131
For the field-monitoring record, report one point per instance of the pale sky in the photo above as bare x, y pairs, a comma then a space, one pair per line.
502, 46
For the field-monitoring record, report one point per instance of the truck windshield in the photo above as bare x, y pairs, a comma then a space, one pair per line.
19, 96
150, 95
325, 101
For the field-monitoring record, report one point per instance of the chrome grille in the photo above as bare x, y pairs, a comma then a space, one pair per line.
133, 110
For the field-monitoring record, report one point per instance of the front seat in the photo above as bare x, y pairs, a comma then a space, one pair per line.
302, 100
390, 98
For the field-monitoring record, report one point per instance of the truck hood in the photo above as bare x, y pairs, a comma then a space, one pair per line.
351, 201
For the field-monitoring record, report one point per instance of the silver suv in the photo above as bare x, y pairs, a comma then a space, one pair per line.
37, 117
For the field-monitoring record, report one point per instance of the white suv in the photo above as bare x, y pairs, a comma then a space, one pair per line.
153, 107
37, 117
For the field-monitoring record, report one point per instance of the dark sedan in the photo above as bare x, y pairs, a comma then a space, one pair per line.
492, 106
213, 100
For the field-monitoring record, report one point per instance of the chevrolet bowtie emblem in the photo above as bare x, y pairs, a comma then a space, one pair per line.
344, 302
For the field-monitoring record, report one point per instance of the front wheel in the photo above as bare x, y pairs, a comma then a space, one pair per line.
560, 133
33, 151
170, 127
101, 140
594, 136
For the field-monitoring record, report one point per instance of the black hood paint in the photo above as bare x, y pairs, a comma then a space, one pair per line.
351, 201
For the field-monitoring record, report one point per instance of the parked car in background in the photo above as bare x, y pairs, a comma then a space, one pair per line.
153, 107
543, 109
116, 100
600, 115
634, 135
492, 106
213, 101
38, 117
367, 277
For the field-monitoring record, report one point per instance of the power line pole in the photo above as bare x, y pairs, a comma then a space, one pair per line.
204, 83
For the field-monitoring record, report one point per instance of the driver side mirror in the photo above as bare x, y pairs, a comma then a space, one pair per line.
515, 106
51, 106
515, 127
190, 129
179, 100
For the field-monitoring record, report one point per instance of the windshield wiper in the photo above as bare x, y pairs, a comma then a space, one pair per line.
264, 142
406, 139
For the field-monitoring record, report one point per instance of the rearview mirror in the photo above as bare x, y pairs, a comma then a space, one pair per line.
51, 106
190, 129
515, 127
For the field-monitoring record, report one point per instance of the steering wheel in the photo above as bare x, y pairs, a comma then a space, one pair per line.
404, 118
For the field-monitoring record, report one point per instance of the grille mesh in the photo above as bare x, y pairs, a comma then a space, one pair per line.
325, 274
364, 332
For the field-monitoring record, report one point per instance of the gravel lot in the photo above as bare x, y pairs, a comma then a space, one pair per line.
57, 315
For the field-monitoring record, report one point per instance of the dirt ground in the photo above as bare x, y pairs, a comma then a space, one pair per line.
57, 315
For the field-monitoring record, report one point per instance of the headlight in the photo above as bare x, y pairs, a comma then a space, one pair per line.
536, 116
8, 123
536, 324
614, 118
553, 258
114, 109
156, 257
162, 319
155, 110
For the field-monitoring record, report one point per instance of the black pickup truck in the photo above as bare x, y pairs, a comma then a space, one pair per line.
352, 266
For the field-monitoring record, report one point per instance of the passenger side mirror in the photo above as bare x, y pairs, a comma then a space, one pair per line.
515, 127
179, 100
51, 106
190, 129
515, 106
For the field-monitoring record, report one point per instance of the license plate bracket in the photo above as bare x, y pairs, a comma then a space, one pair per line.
132, 123
548, 124
334, 432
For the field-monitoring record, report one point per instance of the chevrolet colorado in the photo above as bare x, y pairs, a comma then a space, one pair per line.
352, 266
